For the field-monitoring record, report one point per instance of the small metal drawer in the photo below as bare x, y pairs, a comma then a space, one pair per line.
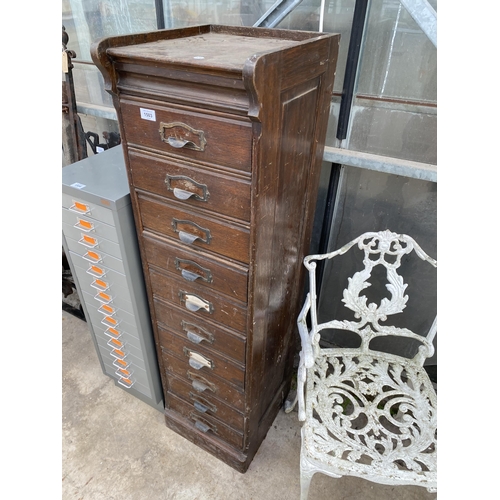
92, 241
94, 256
91, 210
89, 226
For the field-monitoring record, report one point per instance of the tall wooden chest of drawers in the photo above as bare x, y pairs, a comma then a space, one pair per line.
223, 130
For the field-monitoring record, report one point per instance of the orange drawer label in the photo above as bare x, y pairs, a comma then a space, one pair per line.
119, 352
121, 362
81, 206
89, 239
101, 283
127, 380
108, 309
116, 342
111, 320
97, 270
114, 331
94, 255
85, 224
103, 295
124, 372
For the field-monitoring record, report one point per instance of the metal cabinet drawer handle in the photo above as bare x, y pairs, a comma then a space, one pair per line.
190, 188
79, 208
126, 382
182, 136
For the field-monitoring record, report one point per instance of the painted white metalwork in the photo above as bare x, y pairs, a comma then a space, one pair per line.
367, 413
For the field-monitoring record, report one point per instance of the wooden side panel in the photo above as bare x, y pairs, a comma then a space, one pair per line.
288, 162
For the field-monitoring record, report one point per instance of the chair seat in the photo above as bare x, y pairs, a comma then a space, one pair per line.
371, 415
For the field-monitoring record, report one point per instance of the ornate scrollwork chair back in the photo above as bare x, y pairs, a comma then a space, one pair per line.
367, 413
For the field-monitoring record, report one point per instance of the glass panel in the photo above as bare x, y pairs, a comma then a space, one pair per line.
89, 86
398, 60
180, 13
95, 19
375, 201
337, 19
106, 130
86, 21
380, 129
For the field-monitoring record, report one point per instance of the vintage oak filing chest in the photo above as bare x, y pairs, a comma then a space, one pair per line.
223, 130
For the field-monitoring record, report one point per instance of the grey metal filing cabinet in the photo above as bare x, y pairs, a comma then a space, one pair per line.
100, 241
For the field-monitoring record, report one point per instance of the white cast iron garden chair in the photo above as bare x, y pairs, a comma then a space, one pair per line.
367, 413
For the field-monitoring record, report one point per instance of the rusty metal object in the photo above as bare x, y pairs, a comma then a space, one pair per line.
74, 145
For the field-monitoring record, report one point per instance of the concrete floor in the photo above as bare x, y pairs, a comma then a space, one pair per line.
116, 447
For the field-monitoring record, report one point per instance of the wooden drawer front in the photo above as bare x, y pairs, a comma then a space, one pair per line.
89, 226
201, 359
195, 230
203, 422
87, 209
191, 266
199, 188
204, 378
188, 134
214, 406
193, 330
201, 302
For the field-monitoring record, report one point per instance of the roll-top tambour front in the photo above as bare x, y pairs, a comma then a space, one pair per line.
223, 130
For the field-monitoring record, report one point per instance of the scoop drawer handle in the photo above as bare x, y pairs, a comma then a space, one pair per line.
184, 188
182, 265
180, 136
190, 237
194, 303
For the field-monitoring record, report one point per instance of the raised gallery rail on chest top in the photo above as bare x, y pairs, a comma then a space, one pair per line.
223, 130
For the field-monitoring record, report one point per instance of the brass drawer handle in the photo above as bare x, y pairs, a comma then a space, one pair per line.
190, 237
201, 404
198, 361
183, 266
196, 334
182, 136
203, 425
200, 384
194, 303
184, 188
